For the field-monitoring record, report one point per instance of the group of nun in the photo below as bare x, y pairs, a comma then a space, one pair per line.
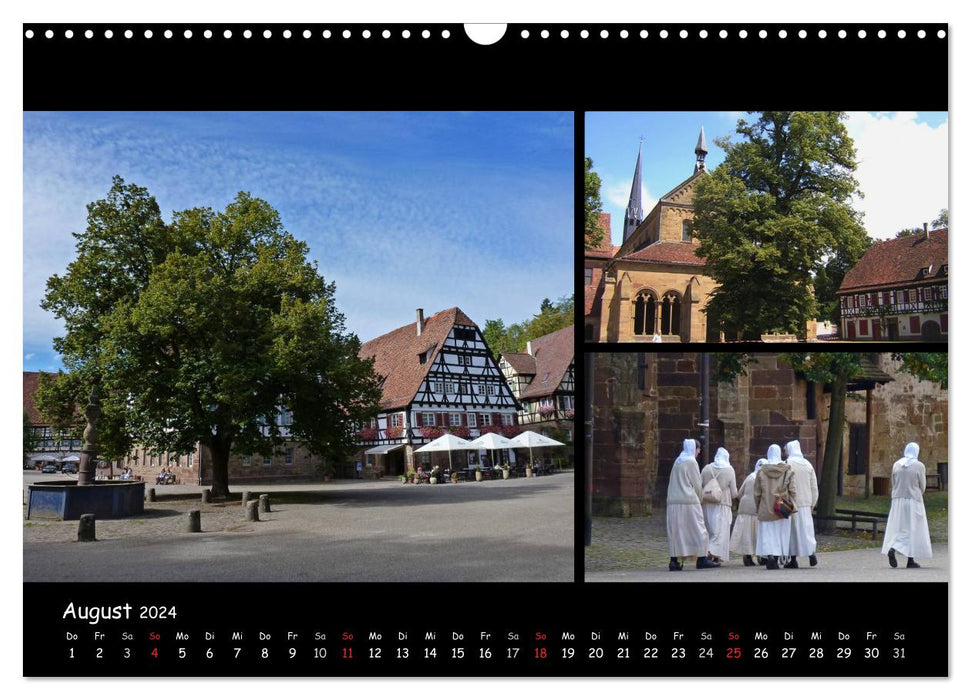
705, 530
766, 529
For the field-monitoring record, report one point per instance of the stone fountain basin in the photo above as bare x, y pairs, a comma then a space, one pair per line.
65, 500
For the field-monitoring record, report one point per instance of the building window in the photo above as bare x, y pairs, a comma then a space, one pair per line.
428, 419
451, 388
288, 456
863, 330
492, 389
915, 324
485, 418
507, 419
396, 421
247, 460
588, 275
267, 461
686, 232
437, 387
465, 360
455, 419
471, 420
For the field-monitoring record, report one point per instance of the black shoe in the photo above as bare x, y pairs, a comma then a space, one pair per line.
763, 561
706, 563
911, 564
793, 564
772, 563
675, 565
892, 555
813, 560
747, 560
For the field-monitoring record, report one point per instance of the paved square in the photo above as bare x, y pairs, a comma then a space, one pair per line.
380, 531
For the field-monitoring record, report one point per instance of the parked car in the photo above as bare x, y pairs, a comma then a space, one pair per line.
69, 468
48, 469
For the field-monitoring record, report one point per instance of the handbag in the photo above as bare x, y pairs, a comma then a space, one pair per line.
784, 507
712, 492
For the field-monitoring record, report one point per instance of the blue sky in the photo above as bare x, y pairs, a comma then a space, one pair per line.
401, 210
903, 168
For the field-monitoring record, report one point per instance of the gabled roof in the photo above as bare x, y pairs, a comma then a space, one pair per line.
898, 261
396, 355
551, 358
671, 252
523, 363
668, 197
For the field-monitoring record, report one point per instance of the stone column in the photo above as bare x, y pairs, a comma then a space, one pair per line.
89, 450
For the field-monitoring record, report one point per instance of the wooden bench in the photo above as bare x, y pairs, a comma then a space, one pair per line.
862, 517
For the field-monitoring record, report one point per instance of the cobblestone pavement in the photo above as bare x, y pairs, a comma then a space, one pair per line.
636, 549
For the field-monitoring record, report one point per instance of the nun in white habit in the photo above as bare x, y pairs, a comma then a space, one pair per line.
907, 531
718, 516
687, 536
747, 521
774, 480
802, 539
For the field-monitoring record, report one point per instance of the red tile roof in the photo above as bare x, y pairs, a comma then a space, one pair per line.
671, 252
552, 357
31, 382
396, 355
521, 362
899, 260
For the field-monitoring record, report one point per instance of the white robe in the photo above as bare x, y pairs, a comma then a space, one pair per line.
802, 538
746, 525
907, 532
687, 536
773, 538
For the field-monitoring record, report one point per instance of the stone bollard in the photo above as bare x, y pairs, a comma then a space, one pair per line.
253, 511
150, 495
86, 528
265, 503
193, 521
206, 495
247, 497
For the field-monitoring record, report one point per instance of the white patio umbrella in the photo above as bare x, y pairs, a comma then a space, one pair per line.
530, 439
492, 441
44, 458
446, 443
72, 458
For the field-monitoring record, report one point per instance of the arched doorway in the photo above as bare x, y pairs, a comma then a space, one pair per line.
930, 330
645, 313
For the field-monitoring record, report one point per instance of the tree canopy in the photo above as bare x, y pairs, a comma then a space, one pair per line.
941, 220
213, 329
592, 207
771, 215
551, 317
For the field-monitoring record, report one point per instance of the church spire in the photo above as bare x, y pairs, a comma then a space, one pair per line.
635, 214
701, 150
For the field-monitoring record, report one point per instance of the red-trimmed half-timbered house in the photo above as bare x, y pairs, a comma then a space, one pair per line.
437, 375
542, 379
897, 291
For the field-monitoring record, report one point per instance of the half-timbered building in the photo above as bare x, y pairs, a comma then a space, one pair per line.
543, 382
897, 291
437, 375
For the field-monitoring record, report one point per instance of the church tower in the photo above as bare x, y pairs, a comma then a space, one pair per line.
701, 150
635, 214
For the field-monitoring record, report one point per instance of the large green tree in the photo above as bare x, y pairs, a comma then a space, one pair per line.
551, 317
770, 216
941, 220
213, 329
594, 233
837, 370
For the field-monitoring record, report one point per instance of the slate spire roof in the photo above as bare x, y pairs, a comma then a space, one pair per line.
635, 212
701, 150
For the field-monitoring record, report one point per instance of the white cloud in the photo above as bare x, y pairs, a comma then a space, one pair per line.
29, 356
903, 170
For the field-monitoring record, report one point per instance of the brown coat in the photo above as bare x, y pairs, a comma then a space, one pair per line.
772, 481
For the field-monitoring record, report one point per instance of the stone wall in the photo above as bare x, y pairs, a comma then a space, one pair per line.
624, 435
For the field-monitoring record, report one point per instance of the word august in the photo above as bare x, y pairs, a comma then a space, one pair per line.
97, 613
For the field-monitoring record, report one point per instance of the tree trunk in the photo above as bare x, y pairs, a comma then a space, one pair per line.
826, 505
219, 452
